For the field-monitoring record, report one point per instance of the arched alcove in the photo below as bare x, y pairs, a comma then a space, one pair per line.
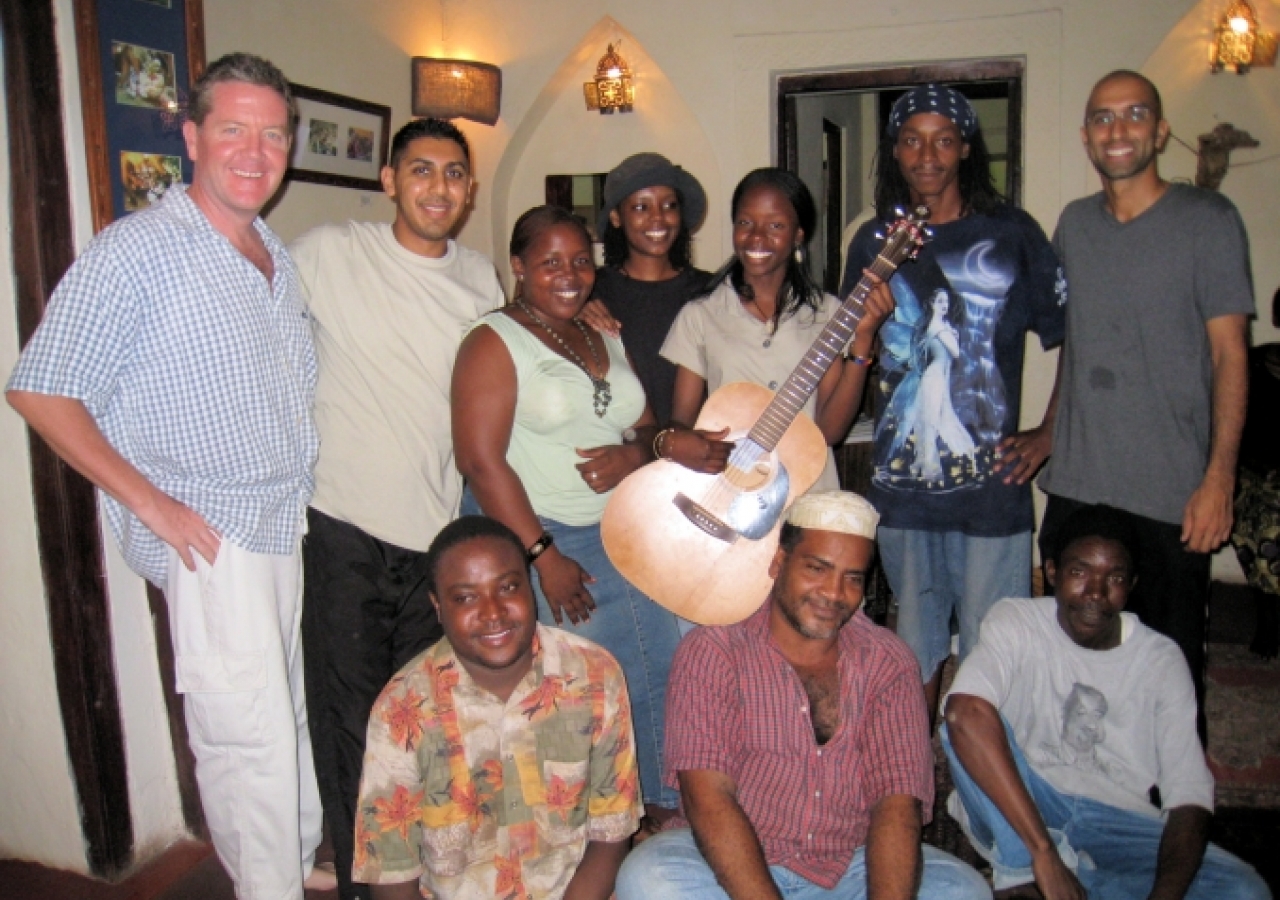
559, 136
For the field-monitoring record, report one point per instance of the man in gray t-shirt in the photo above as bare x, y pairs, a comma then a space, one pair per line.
1153, 372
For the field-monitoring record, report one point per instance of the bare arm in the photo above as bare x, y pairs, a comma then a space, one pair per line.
978, 738
725, 837
597, 871
66, 425
840, 390
687, 398
1022, 454
405, 890
893, 849
1186, 834
483, 402
1206, 520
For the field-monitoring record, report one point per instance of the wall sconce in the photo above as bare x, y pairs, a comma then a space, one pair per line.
611, 89
456, 89
1239, 43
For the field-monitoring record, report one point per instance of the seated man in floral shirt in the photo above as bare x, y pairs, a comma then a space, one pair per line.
500, 763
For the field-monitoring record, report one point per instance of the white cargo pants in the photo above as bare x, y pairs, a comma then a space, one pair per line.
238, 658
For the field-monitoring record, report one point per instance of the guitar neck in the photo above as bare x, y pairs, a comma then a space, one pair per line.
803, 381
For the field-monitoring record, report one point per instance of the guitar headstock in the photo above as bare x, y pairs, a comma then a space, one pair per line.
906, 235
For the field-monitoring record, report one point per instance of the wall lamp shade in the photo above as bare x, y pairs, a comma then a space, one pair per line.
456, 89
611, 89
1238, 41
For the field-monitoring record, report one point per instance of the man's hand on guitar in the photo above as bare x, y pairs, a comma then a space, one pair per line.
564, 584
605, 467
701, 451
879, 305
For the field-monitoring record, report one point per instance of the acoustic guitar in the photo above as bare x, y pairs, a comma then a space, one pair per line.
701, 545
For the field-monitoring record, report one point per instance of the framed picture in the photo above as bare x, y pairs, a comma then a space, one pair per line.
339, 141
138, 60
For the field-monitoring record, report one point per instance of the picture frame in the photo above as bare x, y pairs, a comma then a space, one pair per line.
339, 141
138, 61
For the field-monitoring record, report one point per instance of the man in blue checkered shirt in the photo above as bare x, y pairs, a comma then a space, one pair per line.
174, 368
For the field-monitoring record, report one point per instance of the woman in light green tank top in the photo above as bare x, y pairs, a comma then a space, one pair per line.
548, 418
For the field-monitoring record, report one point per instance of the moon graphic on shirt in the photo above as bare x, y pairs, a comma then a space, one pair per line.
981, 270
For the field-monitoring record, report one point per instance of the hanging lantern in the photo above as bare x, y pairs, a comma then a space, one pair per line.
611, 89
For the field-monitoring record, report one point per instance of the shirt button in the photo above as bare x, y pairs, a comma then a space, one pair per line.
819, 752
773, 385
817, 793
804, 709
810, 837
513, 804
767, 342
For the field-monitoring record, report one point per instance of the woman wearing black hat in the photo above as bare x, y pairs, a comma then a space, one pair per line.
651, 208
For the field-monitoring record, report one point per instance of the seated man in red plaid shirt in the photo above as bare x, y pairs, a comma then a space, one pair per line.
799, 741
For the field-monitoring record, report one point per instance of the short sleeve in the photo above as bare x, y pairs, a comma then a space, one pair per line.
987, 671
1182, 774
613, 804
686, 343
388, 811
704, 708
305, 252
1224, 280
1045, 284
899, 755
89, 330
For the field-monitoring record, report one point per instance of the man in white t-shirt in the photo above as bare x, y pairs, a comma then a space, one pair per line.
390, 305
1071, 730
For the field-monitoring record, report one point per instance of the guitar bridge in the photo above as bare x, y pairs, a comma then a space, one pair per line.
704, 520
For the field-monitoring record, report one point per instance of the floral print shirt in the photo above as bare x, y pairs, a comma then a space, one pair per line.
478, 798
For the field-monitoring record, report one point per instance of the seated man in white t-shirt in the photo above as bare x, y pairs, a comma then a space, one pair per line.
1062, 721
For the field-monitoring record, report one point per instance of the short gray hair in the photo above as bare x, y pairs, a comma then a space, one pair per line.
242, 67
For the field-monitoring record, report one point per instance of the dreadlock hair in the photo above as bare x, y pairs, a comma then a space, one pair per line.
978, 191
798, 288
616, 249
468, 528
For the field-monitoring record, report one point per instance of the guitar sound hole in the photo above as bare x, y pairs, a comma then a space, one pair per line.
752, 479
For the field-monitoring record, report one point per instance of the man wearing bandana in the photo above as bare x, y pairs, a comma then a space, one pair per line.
950, 468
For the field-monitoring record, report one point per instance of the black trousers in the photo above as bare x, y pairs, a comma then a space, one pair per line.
365, 614
1172, 592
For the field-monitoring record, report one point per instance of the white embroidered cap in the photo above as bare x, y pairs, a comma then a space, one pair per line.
840, 511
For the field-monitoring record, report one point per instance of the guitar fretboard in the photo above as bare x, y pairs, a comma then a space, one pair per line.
803, 380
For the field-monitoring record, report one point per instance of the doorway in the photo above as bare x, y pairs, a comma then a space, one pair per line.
829, 125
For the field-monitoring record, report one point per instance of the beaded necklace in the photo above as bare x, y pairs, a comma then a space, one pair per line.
601, 394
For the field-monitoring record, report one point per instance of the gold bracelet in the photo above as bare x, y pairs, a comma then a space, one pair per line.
658, 444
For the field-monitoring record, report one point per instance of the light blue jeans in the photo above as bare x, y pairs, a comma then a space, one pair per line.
1115, 850
935, 573
641, 635
668, 866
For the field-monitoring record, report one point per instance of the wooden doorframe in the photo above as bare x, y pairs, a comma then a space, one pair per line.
990, 71
66, 508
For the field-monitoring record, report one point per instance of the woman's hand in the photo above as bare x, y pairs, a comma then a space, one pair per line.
597, 315
701, 451
564, 584
605, 467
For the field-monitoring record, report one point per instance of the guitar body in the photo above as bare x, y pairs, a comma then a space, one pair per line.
695, 575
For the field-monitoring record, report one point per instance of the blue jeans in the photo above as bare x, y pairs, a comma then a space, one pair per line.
1114, 850
668, 866
935, 573
641, 635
